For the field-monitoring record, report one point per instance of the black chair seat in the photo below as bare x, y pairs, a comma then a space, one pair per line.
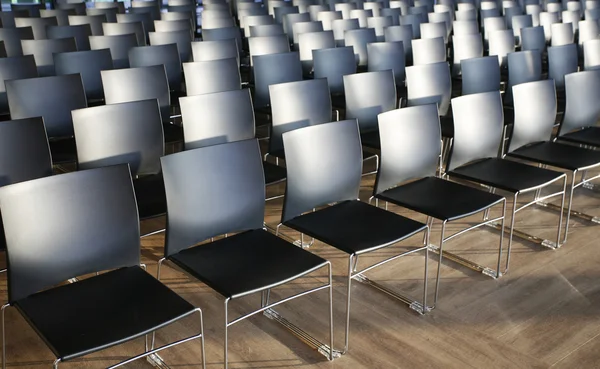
505, 174
370, 139
273, 173
355, 227
150, 196
447, 123
587, 136
558, 155
172, 132
440, 199
246, 262
84, 317
63, 150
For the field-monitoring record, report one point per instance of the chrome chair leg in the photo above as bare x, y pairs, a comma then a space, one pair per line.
4, 337
351, 265
331, 349
441, 251
225, 365
55, 365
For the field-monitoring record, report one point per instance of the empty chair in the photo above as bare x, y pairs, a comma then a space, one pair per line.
267, 45
571, 17
42, 51
183, 39
145, 18
358, 39
32, 10
579, 123
153, 11
428, 51
519, 22
466, 15
480, 75
256, 20
414, 21
462, 28
401, 33
115, 29
466, 47
109, 13
430, 84
588, 30
212, 76
534, 10
362, 15
375, 7
379, 24
434, 30
140, 144
532, 38
88, 64
296, 105
15, 67
523, 67
333, 64
547, 20
592, 14
80, 33
591, 54
231, 33
38, 25
106, 4
214, 50
95, 22
313, 41
349, 225
444, 17
535, 115
414, 132
167, 55
562, 60
189, 224
345, 9
314, 10
290, 19
281, 11
327, 18
61, 15
179, 15
562, 34
119, 46
305, 27
266, 30
25, 101
79, 8
367, 95
340, 26
510, 13
501, 44
12, 39
173, 25
394, 13
100, 199
386, 56
492, 24
135, 84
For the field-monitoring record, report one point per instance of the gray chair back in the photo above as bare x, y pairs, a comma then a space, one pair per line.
167, 55
368, 95
582, 110
429, 84
480, 75
273, 69
333, 64
88, 64
212, 76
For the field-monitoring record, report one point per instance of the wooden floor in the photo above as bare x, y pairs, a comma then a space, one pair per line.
545, 313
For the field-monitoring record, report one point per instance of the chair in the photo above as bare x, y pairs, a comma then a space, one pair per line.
362, 15
179, 15
394, 13
266, 30
333, 64
434, 30
38, 25
79, 8
349, 225
379, 24
61, 15
358, 39
480, 75
465, 15
308, 42
465, 47
491, 25
256, 20
535, 114
562, 60
99, 200
345, 9
404, 34
187, 225
465, 27
80, 33
12, 39
42, 51
501, 44
305, 27
15, 67
414, 21
571, 17
375, 7
519, 22
109, 13
214, 50
281, 11
588, 30
591, 54
183, 39
340, 26
296, 105
117, 29
547, 20
428, 51
273, 69
140, 144
25, 101
119, 46
532, 38
534, 10
562, 34
135, 84
385, 56
212, 76
474, 158
88, 64
231, 33
367, 95
327, 18
145, 18
167, 55
173, 25
523, 67
267, 45
579, 123
290, 19
32, 10
95, 22
410, 150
